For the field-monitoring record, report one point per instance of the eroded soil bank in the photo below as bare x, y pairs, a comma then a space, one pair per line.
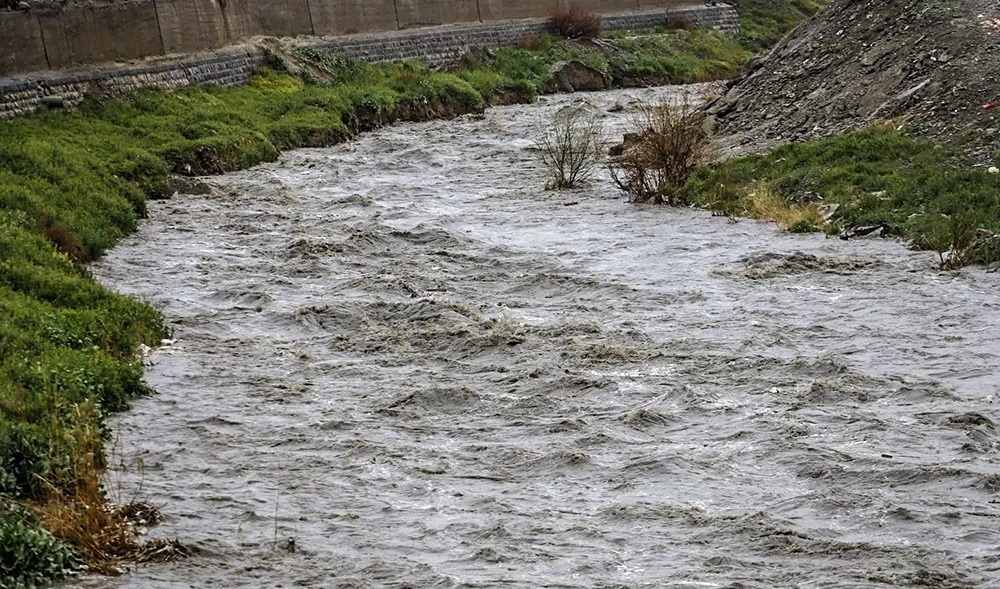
399, 362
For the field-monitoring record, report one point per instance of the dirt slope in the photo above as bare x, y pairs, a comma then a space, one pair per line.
932, 64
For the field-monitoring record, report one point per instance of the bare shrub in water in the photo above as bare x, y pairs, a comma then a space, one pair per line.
668, 143
571, 146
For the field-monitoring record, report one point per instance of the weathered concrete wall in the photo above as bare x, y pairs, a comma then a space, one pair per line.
234, 66
422, 13
31, 41
113, 32
348, 17
508, 9
274, 18
190, 26
605, 6
21, 44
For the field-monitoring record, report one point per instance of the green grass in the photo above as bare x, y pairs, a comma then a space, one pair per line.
74, 183
32, 556
650, 58
764, 22
921, 192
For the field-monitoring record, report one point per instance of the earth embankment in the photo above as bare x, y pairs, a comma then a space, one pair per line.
933, 67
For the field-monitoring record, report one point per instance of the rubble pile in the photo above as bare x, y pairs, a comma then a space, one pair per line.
929, 66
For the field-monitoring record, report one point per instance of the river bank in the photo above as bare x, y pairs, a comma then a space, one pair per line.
401, 361
73, 184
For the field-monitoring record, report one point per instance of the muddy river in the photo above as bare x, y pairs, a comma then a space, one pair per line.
401, 363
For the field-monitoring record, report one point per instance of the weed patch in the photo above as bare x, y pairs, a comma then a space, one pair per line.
920, 192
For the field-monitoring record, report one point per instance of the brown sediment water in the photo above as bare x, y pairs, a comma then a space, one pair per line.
399, 362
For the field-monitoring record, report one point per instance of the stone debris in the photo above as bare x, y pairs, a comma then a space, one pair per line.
930, 67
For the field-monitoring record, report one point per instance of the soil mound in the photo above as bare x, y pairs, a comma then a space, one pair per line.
933, 65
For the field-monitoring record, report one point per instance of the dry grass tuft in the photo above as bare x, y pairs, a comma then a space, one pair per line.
765, 203
76, 508
576, 23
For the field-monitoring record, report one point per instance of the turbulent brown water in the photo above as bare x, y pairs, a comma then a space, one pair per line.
400, 363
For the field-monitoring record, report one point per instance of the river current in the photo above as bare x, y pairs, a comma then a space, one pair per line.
399, 362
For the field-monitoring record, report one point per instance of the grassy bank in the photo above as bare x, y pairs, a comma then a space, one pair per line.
764, 22
926, 194
72, 184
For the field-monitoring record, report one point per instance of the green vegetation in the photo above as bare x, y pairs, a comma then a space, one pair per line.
921, 192
73, 184
764, 22
33, 556
625, 59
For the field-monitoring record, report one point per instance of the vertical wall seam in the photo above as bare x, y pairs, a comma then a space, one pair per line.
395, 7
225, 20
45, 45
479, 11
159, 27
312, 25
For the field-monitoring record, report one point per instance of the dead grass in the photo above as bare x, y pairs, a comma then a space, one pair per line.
77, 509
576, 23
763, 202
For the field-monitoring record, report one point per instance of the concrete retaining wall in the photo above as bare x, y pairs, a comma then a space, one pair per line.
130, 29
234, 65
439, 44
228, 67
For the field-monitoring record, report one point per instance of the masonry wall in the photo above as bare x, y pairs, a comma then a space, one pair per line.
234, 65
83, 35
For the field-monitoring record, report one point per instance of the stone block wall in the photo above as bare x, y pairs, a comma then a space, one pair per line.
234, 65
441, 44
229, 67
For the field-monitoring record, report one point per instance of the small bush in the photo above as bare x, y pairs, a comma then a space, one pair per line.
682, 22
951, 236
576, 23
654, 162
571, 146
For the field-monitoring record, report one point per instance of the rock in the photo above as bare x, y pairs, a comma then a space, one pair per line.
828, 210
866, 231
53, 101
23, 6
993, 170
574, 75
185, 185
856, 63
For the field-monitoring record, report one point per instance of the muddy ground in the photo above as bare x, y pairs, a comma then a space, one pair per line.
400, 363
